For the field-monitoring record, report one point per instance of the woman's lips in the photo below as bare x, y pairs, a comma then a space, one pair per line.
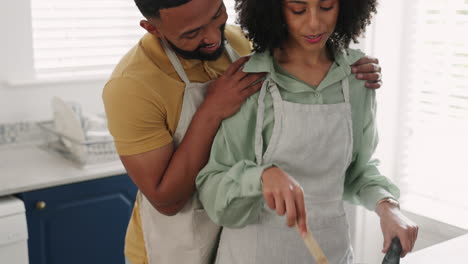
314, 38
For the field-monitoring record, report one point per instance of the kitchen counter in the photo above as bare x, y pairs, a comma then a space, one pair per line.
27, 167
454, 251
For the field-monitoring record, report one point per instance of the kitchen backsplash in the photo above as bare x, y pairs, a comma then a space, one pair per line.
20, 132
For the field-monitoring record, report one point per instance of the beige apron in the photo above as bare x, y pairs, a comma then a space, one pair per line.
313, 144
189, 236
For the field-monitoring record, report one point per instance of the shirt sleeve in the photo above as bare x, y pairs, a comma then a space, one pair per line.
364, 184
237, 40
230, 187
136, 118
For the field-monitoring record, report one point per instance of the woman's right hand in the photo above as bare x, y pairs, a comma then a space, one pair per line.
284, 194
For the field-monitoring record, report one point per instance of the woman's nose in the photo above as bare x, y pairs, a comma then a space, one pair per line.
313, 20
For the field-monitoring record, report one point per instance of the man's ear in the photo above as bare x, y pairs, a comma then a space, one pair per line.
150, 28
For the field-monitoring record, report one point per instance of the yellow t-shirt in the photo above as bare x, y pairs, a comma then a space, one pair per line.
143, 101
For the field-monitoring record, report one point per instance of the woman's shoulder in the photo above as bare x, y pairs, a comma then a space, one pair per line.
246, 114
354, 54
359, 92
349, 56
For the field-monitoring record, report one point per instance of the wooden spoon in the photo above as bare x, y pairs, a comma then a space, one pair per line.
313, 247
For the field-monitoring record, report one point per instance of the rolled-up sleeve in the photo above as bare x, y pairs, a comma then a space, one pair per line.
364, 183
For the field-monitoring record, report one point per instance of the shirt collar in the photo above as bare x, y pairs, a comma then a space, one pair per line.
265, 62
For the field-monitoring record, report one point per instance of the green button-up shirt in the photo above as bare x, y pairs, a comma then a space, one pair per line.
230, 186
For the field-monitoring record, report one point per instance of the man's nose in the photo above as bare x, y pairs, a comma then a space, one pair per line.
213, 35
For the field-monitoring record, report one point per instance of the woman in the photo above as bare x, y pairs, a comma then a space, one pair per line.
303, 143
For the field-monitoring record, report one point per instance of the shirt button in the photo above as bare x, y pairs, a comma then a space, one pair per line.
317, 95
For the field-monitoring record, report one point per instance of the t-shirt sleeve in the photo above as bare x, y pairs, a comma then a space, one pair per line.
238, 41
136, 117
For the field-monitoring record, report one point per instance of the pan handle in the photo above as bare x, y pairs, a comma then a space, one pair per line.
394, 253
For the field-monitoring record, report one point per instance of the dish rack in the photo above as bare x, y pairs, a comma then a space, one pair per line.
82, 153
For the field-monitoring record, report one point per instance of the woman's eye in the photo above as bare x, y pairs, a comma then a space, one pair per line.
299, 12
326, 8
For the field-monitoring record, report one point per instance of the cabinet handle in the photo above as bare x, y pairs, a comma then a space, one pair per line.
41, 205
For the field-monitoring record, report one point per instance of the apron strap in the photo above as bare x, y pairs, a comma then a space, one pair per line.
278, 113
277, 99
345, 87
278, 117
233, 56
176, 63
259, 124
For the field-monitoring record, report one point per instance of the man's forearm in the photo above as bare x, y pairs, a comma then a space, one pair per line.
178, 182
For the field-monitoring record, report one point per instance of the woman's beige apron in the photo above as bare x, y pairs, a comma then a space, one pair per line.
190, 236
313, 144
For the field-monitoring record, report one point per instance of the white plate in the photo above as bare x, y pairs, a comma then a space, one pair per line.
68, 123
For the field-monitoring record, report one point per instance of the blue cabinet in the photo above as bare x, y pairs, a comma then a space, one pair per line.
81, 223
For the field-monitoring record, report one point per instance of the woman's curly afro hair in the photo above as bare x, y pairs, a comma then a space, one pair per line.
264, 22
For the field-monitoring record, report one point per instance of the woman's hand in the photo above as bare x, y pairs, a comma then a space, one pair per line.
368, 69
395, 224
283, 194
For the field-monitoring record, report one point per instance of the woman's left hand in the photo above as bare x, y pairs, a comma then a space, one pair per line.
395, 224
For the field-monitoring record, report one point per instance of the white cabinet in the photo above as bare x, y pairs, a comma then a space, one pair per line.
13, 231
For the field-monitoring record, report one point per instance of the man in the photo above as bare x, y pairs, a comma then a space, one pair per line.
165, 102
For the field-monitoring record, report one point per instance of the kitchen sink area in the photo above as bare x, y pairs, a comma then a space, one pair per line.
50, 205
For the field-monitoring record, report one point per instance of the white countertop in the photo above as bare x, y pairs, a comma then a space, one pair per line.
27, 167
453, 251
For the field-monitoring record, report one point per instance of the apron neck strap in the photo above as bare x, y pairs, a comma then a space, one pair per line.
345, 87
259, 124
278, 112
176, 63
233, 56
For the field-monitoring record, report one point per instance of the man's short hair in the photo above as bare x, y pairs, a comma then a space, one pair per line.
150, 8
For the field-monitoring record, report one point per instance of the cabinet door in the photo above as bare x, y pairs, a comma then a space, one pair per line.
82, 223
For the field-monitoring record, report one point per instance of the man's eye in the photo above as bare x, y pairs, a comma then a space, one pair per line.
191, 35
220, 12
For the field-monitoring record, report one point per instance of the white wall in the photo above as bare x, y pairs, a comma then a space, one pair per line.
384, 41
388, 22
16, 39
31, 102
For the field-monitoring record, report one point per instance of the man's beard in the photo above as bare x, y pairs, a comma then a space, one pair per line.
197, 54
